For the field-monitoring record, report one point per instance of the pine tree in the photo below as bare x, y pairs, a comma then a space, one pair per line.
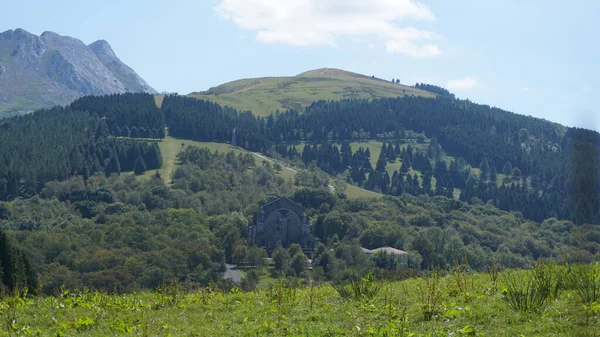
112, 165
493, 174
404, 168
319, 228
135, 133
381, 163
15, 271
427, 183
507, 169
102, 130
140, 166
346, 155
391, 154
125, 132
484, 166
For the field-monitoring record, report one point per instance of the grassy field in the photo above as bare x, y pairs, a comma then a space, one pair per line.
265, 95
266, 279
457, 305
354, 192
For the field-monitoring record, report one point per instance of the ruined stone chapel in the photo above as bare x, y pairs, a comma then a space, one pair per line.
281, 220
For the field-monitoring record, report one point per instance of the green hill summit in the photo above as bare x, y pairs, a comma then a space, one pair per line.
267, 94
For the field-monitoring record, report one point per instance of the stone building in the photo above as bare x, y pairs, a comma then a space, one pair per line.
281, 220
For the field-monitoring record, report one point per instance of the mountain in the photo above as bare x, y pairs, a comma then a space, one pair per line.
427, 144
267, 94
50, 69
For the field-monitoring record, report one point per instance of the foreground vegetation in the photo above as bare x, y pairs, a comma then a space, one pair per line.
459, 304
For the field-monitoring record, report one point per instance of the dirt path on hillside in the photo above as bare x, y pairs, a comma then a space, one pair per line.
284, 167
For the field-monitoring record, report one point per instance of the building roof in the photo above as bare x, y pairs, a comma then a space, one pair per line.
284, 202
388, 250
280, 199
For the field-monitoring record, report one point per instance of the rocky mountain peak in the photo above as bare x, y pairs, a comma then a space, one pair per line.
102, 47
51, 69
17, 34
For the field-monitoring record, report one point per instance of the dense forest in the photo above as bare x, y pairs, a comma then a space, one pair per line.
128, 115
60, 143
121, 234
556, 179
552, 170
434, 89
207, 121
16, 274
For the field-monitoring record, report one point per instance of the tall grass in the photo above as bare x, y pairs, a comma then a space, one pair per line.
283, 292
460, 276
586, 280
532, 291
431, 295
364, 288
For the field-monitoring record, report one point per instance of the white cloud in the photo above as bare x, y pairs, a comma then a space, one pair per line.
412, 49
466, 83
323, 22
525, 89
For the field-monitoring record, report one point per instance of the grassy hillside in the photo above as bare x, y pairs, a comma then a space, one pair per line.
457, 305
170, 147
158, 99
267, 94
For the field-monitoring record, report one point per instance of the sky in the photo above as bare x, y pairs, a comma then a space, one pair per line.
533, 57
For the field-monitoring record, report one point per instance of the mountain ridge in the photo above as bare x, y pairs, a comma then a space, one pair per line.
264, 95
51, 69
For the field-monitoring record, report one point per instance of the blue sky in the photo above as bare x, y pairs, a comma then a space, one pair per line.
532, 57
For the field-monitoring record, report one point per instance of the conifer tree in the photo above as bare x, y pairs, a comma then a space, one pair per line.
140, 166
16, 273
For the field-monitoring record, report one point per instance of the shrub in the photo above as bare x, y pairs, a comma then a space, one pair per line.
250, 281
364, 288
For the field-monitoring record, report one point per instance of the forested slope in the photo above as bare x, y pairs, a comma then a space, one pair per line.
82, 224
553, 177
61, 143
547, 170
120, 234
